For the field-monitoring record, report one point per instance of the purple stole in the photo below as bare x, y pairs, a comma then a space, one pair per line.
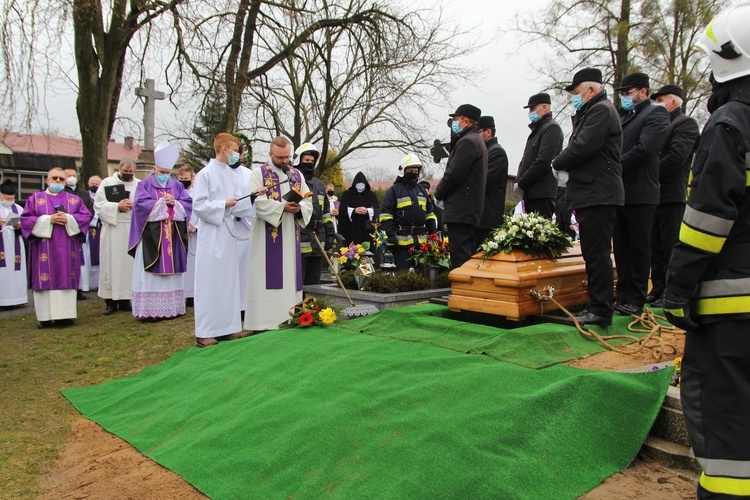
274, 237
17, 245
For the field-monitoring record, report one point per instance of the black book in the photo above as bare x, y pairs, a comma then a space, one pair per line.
295, 196
116, 193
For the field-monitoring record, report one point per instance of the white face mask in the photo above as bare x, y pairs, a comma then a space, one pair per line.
71, 181
662, 104
360, 186
6, 203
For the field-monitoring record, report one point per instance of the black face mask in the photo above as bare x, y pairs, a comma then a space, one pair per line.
411, 176
126, 177
93, 188
307, 170
719, 95
330, 193
186, 184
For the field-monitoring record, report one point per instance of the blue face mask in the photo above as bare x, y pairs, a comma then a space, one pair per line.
534, 117
56, 188
162, 178
456, 128
627, 103
234, 158
577, 101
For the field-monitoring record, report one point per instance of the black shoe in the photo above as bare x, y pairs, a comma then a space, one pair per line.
658, 303
652, 297
111, 307
589, 318
189, 302
124, 305
80, 295
43, 324
629, 309
64, 322
615, 304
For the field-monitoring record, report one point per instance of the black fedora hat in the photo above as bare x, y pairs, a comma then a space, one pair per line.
469, 111
634, 80
585, 75
486, 122
540, 98
668, 90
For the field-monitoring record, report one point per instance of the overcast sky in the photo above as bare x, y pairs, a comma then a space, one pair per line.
503, 89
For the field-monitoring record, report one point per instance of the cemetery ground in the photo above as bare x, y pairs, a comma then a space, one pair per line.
48, 450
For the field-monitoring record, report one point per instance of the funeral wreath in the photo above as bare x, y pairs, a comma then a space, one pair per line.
531, 233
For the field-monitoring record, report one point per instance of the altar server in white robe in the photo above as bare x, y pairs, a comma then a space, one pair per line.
274, 282
186, 175
115, 265
13, 288
221, 213
243, 230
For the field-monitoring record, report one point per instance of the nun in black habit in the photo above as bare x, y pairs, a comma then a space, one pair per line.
357, 209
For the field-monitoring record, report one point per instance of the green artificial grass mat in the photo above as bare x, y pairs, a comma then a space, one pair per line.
327, 412
534, 346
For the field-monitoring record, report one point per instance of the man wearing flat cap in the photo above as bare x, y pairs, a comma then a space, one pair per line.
535, 179
674, 166
497, 181
591, 161
463, 185
644, 128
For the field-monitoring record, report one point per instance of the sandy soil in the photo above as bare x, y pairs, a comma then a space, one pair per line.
96, 464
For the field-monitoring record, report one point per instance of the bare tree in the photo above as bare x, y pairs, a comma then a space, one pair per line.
354, 91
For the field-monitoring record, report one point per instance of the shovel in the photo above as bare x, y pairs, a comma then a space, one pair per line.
352, 311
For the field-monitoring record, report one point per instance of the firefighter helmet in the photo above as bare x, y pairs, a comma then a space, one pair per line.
726, 41
410, 160
305, 149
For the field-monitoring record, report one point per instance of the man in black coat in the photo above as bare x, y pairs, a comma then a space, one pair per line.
644, 128
463, 184
535, 180
497, 181
674, 168
591, 163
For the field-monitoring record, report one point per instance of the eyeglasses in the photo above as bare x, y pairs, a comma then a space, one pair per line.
629, 91
61, 179
281, 157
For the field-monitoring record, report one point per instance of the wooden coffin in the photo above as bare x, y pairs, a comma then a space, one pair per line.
502, 284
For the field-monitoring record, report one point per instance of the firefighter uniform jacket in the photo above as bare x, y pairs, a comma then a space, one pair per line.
407, 213
320, 221
711, 262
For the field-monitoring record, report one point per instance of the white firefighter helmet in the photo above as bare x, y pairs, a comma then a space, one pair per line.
410, 160
307, 148
726, 41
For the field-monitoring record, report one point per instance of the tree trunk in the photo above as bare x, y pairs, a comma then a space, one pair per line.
622, 63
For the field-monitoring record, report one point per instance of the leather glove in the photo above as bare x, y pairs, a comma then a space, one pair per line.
677, 310
330, 242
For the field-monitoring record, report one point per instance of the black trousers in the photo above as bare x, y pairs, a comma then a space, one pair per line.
401, 257
544, 206
715, 394
596, 225
461, 243
632, 247
479, 236
311, 269
664, 236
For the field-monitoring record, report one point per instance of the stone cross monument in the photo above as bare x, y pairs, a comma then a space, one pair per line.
149, 92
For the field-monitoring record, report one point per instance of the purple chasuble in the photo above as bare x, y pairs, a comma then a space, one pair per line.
274, 235
55, 262
16, 246
164, 241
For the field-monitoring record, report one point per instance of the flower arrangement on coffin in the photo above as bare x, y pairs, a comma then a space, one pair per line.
311, 313
349, 256
433, 252
531, 233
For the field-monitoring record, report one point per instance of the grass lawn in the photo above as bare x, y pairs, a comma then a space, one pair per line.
35, 419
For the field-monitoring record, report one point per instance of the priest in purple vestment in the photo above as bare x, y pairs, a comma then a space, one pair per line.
158, 240
55, 223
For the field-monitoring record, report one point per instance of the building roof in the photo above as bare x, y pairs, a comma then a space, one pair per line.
61, 147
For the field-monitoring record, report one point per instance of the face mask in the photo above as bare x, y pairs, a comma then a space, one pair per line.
185, 184
162, 178
330, 193
71, 181
456, 128
534, 117
411, 176
56, 188
93, 188
577, 101
360, 186
662, 104
126, 177
627, 103
6, 203
307, 169
234, 158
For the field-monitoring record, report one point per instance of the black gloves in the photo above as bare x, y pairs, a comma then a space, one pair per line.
677, 310
330, 242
